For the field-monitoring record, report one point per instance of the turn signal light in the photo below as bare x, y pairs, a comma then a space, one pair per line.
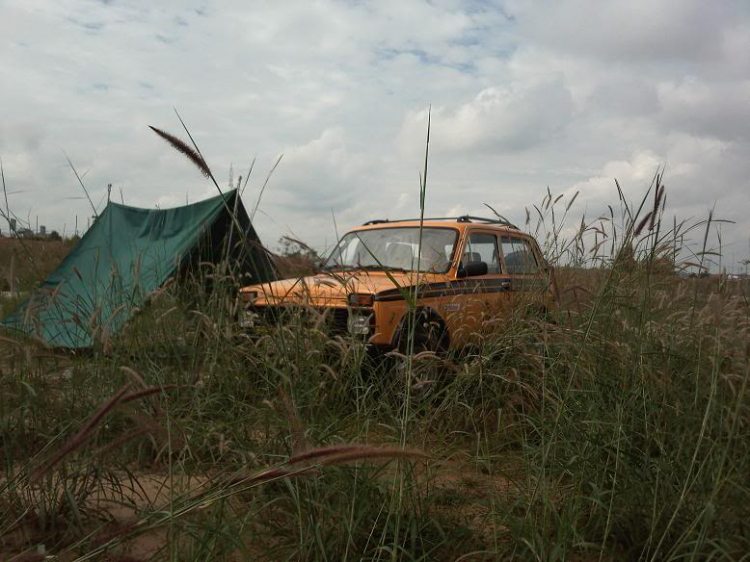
358, 299
249, 296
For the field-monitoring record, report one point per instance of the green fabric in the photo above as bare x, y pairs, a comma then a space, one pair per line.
127, 254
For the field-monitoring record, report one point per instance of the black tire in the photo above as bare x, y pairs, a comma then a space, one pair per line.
430, 333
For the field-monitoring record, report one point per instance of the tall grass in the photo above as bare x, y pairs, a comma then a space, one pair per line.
616, 428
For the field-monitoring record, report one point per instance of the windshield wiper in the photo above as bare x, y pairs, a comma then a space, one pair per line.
336, 266
376, 267
371, 267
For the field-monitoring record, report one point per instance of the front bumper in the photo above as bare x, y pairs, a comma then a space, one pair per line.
336, 320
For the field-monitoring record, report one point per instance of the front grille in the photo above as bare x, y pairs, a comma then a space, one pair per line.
334, 318
337, 318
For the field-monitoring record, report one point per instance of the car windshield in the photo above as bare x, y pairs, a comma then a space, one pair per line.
395, 249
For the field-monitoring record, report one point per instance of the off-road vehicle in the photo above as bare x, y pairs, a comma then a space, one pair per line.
442, 281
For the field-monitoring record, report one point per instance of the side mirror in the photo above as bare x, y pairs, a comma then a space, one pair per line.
472, 269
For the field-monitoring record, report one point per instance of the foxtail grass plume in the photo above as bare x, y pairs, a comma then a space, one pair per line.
180, 146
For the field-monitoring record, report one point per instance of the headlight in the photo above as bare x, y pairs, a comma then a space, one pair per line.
248, 318
358, 324
360, 299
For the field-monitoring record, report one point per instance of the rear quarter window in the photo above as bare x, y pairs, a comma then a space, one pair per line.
519, 256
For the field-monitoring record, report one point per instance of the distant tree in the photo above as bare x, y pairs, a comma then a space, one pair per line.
291, 248
54, 235
295, 258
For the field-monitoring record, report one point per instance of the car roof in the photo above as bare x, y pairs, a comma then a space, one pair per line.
459, 223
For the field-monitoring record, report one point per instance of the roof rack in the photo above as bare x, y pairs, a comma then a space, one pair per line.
462, 218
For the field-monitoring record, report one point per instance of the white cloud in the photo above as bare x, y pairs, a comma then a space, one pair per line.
716, 109
568, 94
502, 118
636, 30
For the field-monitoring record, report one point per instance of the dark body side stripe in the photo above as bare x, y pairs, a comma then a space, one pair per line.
458, 287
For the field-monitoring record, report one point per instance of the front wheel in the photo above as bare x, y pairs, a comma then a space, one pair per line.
427, 330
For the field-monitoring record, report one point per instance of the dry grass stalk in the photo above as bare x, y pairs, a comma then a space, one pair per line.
313, 454
83, 434
134, 375
146, 392
142, 383
351, 453
11, 341
86, 431
331, 455
658, 195
274, 474
295, 424
116, 443
182, 147
641, 225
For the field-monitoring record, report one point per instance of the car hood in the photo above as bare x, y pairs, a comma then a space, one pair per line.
327, 289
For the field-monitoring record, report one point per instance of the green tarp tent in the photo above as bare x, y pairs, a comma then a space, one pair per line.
127, 254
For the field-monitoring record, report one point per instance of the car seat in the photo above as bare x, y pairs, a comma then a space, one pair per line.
400, 255
471, 257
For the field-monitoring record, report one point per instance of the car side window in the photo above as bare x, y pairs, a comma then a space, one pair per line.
519, 256
482, 247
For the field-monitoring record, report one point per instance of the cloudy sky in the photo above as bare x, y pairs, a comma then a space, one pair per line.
524, 95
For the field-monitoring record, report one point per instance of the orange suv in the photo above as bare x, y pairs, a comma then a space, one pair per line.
451, 275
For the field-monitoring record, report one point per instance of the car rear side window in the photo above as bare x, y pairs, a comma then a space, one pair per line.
482, 247
519, 256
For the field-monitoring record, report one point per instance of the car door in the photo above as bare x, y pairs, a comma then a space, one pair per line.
524, 269
476, 300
